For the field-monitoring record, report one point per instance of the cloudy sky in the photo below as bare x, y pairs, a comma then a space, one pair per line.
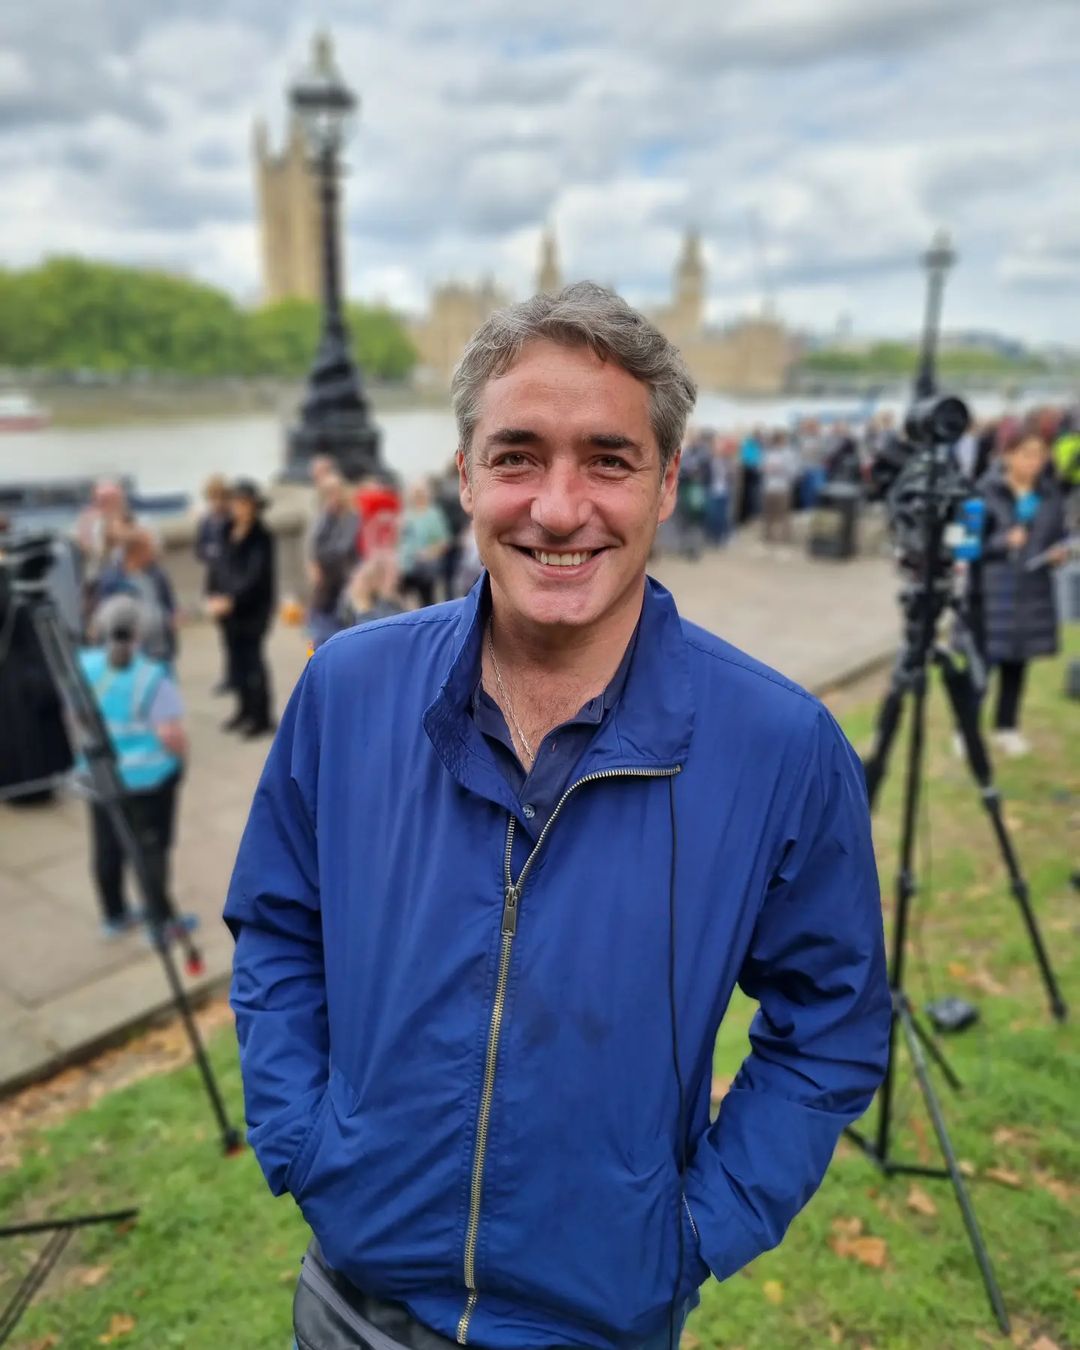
815, 143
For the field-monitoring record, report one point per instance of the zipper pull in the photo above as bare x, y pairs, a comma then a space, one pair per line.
510, 911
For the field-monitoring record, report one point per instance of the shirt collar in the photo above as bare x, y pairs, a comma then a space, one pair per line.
652, 719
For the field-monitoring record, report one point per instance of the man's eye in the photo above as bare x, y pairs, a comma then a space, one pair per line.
512, 459
611, 462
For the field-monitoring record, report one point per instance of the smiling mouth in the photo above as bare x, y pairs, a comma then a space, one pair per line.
566, 558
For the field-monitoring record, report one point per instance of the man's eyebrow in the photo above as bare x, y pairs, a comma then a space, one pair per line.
612, 440
598, 440
512, 436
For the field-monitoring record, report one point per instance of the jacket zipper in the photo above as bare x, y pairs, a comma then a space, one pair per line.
511, 900
689, 1215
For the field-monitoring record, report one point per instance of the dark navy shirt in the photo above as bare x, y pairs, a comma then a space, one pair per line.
559, 752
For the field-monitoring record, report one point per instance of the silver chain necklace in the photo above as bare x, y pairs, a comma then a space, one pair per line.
506, 699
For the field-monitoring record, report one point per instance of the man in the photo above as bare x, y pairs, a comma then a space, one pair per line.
779, 469
331, 549
422, 544
507, 861
99, 532
136, 571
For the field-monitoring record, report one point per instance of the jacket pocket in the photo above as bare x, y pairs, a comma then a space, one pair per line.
695, 1270
300, 1167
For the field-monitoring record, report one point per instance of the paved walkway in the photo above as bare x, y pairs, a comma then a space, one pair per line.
64, 991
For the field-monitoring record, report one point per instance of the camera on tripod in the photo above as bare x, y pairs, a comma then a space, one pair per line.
935, 517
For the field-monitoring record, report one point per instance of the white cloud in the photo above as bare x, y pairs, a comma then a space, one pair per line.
847, 131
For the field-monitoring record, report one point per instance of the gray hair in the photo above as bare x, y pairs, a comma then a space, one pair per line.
118, 614
120, 625
581, 315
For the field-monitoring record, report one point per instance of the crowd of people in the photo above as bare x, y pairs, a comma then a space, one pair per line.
125, 616
372, 550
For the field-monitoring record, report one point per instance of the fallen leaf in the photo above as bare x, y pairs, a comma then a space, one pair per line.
1045, 1343
119, 1325
1006, 1134
1060, 1190
957, 970
689, 1341
1005, 1177
985, 983
45, 1342
966, 1169
91, 1276
920, 1203
847, 1227
870, 1251
773, 1291
836, 1336
923, 1151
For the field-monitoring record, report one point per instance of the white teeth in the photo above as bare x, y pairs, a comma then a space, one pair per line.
561, 559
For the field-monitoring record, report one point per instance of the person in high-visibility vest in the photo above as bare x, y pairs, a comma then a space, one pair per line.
144, 716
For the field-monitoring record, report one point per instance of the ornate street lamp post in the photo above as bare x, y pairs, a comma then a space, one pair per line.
335, 416
937, 260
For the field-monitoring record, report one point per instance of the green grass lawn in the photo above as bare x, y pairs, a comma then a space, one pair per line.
213, 1258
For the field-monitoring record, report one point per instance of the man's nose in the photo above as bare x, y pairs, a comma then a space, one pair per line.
561, 505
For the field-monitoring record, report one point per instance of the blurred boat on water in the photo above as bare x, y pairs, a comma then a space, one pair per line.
20, 412
54, 503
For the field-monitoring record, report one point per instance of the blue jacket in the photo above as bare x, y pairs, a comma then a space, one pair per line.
469, 1087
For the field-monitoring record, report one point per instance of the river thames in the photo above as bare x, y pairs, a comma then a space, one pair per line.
179, 454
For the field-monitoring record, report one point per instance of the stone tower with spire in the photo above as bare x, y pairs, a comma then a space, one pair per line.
688, 309
288, 205
548, 275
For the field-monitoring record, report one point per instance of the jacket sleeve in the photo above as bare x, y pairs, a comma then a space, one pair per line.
278, 986
820, 1040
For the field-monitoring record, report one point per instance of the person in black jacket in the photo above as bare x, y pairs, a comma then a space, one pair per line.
242, 593
1025, 526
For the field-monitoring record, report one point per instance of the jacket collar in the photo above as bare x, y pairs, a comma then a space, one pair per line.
650, 728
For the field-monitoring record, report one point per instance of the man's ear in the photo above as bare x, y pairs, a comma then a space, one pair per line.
464, 486
669, 486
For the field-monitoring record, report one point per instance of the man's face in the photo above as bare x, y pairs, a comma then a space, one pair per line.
564, 487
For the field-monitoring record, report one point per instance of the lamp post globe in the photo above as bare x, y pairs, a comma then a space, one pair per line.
335, 415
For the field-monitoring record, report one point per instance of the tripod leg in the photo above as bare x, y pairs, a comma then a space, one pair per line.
915, 679
68, 678
34, 1278
934, 1051
962, 699
888, 723
933, 1107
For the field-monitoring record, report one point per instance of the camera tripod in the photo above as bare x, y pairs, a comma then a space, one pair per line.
31, 594
923, 605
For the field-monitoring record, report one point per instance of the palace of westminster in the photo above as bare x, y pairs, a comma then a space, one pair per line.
749, 356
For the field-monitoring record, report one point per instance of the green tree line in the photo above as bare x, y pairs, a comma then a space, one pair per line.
72, 314
899, 360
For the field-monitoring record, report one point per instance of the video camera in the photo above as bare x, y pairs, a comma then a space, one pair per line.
935, 517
